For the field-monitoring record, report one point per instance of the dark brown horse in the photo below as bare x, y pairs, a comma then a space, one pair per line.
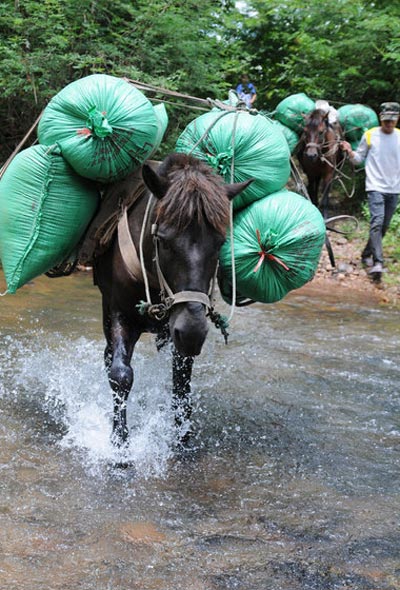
156, 275
320, 155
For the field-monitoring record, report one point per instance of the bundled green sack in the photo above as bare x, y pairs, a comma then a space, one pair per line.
252, 143
291, 136
355, 119
162, 124
277, 246
291, 110
104, 126
44, 210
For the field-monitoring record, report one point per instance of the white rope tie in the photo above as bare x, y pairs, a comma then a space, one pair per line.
142, 234
231, 224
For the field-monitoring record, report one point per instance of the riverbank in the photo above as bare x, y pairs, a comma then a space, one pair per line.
350, 279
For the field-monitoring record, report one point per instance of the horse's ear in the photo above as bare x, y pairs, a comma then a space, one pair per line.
158, 185
234, 189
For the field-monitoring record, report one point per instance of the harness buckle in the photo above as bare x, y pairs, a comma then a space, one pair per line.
158, 311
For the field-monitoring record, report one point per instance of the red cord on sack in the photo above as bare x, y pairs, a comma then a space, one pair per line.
84, 131
263, 254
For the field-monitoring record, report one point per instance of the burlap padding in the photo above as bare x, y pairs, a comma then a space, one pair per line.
103, 226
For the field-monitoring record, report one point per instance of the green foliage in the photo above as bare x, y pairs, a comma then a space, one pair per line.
344, 50
45, 44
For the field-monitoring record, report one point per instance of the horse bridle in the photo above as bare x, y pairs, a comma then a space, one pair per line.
313, 144
137, 270
168, 297
319, 146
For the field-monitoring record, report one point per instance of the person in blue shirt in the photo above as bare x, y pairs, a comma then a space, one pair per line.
246, 91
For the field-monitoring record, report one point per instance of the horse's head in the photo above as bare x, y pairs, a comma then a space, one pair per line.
316, 124
192, 215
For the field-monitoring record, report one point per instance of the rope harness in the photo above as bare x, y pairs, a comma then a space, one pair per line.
220, 163
137, 270
339, 175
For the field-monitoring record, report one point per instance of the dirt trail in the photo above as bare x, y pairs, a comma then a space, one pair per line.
350, 279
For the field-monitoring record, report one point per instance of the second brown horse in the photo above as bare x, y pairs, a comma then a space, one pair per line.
319, 155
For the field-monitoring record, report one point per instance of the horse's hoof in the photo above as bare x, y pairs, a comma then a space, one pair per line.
186, 443
123, 464
185, 440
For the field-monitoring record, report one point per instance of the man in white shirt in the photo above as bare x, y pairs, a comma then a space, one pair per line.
380, 149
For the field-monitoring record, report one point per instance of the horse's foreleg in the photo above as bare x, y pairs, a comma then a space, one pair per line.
118, 356
107, 333
326, 188
181, 378
313, 186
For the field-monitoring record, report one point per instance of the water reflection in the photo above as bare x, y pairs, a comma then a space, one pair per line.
293, 482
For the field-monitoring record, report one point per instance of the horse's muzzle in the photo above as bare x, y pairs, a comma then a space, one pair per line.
188, 328
312, 154
312, 150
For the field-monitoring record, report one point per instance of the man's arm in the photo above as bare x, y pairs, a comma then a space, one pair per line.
359, 155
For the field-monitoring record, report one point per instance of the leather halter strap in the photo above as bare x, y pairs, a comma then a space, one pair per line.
135, 269
181, 296
128, 249
195, 296
129, 252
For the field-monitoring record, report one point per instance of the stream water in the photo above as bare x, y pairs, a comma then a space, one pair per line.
292, 482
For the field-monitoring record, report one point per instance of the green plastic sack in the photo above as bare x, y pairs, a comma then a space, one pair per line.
162, 124
104, 126
277, 246
253, 143
355, 119
291, 110
291, 136
45, 208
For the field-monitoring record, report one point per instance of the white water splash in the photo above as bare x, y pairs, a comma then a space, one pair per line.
68, 380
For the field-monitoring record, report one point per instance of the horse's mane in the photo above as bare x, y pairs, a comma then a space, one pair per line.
195, 192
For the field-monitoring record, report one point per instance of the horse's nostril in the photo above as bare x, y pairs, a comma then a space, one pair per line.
189, 341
